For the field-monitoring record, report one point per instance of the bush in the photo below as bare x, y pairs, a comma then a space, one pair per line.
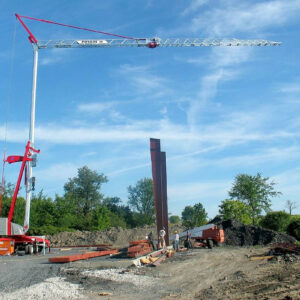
294, 229
276, 220
174, 219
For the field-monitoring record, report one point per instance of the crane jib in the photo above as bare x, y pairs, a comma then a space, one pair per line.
151, 43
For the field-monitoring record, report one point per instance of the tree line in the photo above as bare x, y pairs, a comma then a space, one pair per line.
249, 202
84, 207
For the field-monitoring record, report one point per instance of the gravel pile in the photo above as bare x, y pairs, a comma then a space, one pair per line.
238, 234
51, 288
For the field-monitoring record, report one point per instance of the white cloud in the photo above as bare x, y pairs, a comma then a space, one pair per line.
291, 88
91, 153
53, 56
144, 81
194, 6
208, 90
95, 107
234, 128
244, 16
57, 172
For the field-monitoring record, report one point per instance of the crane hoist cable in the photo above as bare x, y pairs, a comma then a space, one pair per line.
7, 113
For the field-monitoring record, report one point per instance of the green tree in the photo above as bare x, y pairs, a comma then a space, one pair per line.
42, 216
294, 228
194, 216
276, 220
67, 217
19, 211
234, 209
174, 219
123, 216
141, 200
85, 189
255, 191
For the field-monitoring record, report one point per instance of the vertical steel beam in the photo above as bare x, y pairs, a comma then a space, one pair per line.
156, 175
164, 195
159, 175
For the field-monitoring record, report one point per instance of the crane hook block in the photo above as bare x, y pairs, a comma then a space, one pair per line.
14, 158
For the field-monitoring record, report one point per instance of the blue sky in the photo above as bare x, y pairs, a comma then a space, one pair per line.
219, 111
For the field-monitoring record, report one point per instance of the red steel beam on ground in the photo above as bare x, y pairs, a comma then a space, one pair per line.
69, 258
85, 246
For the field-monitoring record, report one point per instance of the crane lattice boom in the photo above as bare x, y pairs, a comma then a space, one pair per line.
151, 43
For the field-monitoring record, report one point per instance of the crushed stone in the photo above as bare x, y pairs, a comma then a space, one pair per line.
51, 288
120, 275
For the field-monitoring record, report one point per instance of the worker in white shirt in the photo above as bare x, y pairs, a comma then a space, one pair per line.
176, 241
162, 242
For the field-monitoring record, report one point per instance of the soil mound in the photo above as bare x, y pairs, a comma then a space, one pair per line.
119, 237
238, 234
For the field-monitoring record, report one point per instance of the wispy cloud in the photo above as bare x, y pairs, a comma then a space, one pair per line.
95, 107
53, 56
144, 80
237, 127
208, 90
60, 171
244, 16
194, 6
291, 87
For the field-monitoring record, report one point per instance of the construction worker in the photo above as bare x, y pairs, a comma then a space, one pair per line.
176, 241
150, 240
188, 242
162, 242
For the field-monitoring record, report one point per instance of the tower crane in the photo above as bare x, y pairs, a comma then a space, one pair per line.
117, 41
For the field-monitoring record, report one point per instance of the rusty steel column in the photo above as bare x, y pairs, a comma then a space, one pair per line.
164, 195
156, 175
159, 175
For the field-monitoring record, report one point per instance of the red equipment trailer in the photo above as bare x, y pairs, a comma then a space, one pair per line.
207, 235
14, 232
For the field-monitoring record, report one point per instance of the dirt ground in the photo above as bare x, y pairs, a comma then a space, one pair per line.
219, 273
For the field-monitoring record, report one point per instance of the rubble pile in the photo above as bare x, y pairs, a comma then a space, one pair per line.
238, 234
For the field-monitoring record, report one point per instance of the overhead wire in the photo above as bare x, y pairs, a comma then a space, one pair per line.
9, 91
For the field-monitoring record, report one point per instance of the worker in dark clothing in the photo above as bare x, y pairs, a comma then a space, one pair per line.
150, 240
188, 242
